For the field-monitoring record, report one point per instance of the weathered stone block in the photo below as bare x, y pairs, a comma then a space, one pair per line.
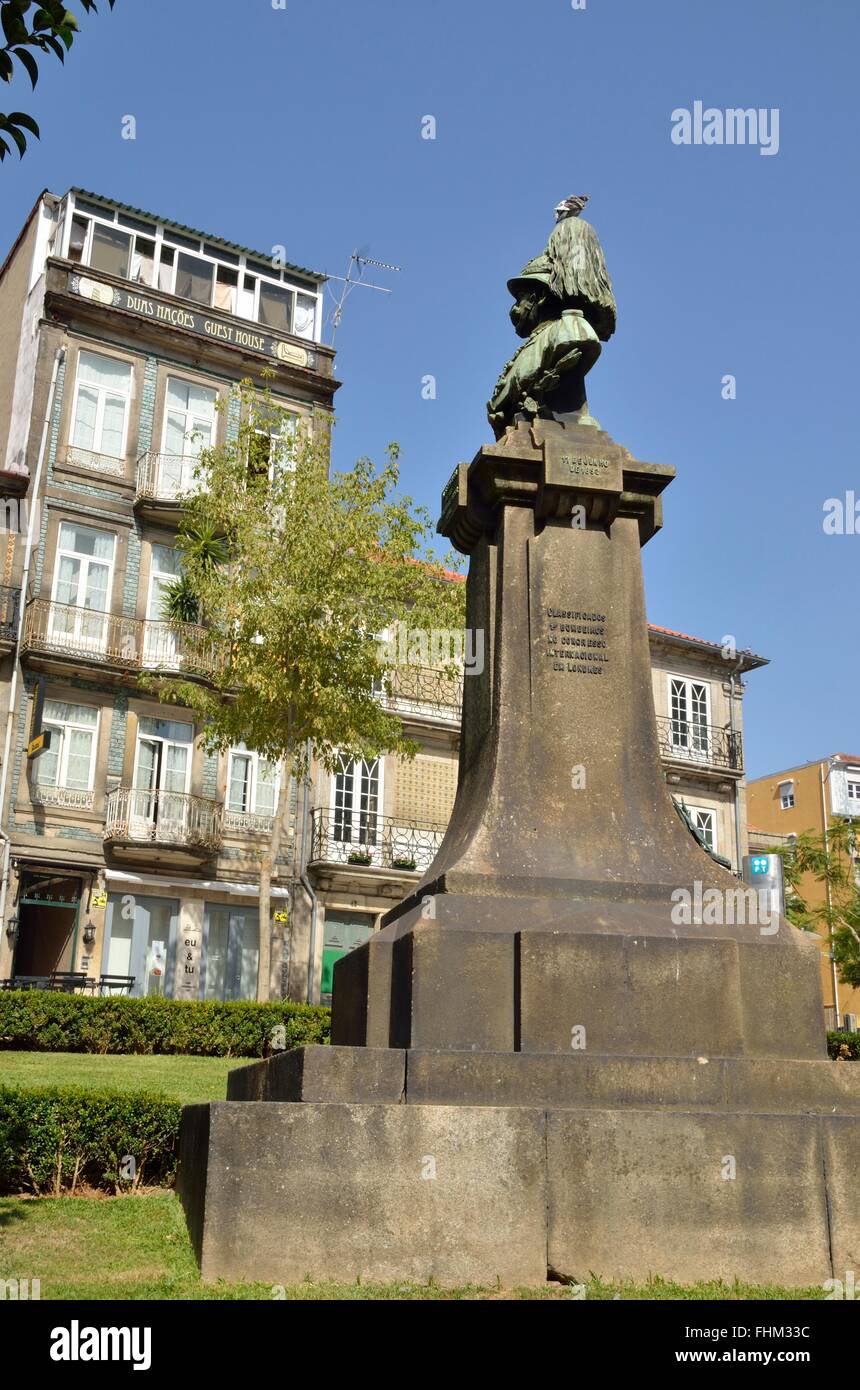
636, 1193
379, 1192
355, 1075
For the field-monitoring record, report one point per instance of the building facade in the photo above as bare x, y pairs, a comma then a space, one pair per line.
809, 797
128, 851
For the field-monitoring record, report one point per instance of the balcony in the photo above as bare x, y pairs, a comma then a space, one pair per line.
67, 798
425, 693
107, 464
10, 600
368, 842
699, 745
247, 823
58, 637
160, 826
162, 481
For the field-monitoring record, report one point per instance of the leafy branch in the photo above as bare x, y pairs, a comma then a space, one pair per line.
30, 29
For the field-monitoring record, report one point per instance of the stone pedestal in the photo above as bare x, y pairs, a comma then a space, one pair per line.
537, 1067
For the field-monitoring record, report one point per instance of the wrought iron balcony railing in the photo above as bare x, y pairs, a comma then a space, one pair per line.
108, 639
426, 692
10, 600
341, 837
247, 822
95, 462
138, 817
703, 744
164, 477
71, 798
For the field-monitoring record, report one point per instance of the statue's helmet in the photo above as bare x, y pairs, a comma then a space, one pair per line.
537, 272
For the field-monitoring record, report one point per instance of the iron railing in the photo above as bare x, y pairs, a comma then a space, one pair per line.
10, 600
341, 837
164, 477
108, 639
703, 744
247, 822
180, 819
424, 691
71, 798
95, 462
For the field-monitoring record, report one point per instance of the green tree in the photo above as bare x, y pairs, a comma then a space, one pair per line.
31, 28
832, 861
318, 566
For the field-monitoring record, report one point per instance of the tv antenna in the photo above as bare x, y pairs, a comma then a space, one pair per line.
357, 261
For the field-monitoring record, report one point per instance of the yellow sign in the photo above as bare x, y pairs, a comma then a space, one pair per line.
40, 744
282, 917
99, 900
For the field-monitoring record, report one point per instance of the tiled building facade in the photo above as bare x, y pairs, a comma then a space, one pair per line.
127, 850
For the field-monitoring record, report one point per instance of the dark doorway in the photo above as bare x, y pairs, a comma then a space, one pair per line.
48, 912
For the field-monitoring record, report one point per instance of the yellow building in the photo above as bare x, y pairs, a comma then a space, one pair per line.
800, 799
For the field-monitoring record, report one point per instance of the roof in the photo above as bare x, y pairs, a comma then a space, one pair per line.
316, 276
747, 659
850, 759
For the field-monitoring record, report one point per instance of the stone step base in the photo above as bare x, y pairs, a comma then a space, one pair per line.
359, 1075
276, 1191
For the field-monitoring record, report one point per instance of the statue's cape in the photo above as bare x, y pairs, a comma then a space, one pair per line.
578, 273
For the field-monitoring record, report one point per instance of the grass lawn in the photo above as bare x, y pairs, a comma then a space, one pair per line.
137, 1248
179, 1078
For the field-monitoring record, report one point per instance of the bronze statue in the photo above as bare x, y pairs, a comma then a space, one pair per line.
564, 307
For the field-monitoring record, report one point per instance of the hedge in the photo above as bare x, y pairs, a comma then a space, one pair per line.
54, 1139
42, 1021
844, 1046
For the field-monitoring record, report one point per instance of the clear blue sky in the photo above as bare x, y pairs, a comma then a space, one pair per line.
302, 126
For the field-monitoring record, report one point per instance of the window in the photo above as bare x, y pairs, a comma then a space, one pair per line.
83, 574
143, 260
356, 802
854, 791
102, 395
194, 278
162, 776
252, 783
159, 644
705, 822
110, 251
189, 427
78, 238
306, 309
70, 760
140, 942
689, 710
786, 795
271, 444
226, 289
276, 308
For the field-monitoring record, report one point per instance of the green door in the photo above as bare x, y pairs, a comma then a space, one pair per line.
343, 932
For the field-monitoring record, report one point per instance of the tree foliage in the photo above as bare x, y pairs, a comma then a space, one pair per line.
319, 566
830, 860
31, 29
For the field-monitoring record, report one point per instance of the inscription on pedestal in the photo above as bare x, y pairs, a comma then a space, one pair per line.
576, 642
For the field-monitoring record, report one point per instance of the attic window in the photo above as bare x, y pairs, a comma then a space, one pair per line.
786, 796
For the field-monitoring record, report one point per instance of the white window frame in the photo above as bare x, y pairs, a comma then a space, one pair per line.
355, 840
786, 796
83, 616
103, 391
694, 811
184, 483
687, 749
255, 759
63, 726
142, 737
162, 237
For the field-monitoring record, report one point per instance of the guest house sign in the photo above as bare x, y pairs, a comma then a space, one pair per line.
140, 301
